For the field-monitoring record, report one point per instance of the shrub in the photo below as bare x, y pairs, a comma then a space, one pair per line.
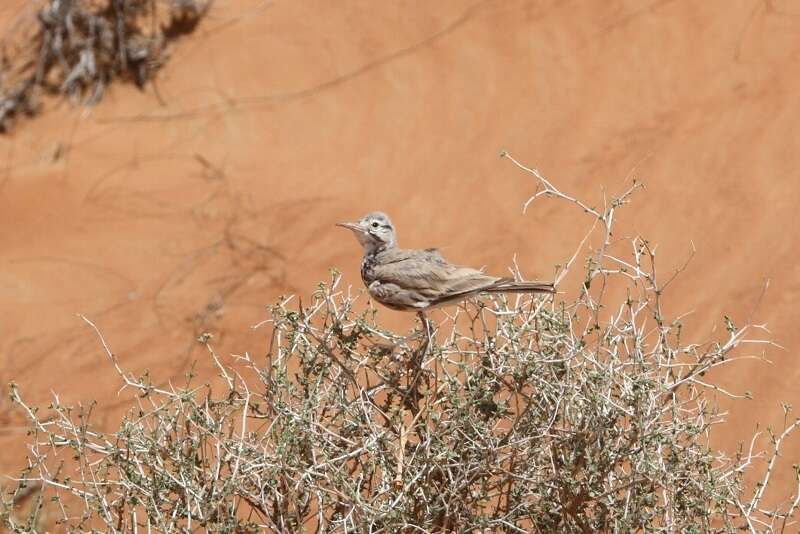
75, 48
519, 415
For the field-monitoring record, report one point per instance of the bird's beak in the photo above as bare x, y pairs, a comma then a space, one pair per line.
351, 226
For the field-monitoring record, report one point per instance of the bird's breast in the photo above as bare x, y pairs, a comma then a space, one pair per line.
368, 269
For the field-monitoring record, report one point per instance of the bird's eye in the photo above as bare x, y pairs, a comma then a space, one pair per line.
375, 225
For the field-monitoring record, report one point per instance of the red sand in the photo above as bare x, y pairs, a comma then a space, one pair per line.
159, 222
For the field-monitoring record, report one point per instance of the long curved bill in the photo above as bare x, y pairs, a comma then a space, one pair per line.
356, 227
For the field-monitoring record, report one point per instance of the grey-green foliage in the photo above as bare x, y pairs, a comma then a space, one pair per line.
521, 415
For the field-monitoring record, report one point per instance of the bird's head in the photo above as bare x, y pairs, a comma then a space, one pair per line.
374, 231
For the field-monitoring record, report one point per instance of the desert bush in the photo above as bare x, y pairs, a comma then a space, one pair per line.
518, 415
75, 48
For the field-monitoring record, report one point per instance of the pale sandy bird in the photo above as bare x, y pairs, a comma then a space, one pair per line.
419, 280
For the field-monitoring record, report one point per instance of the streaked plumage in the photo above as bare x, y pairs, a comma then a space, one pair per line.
417, 280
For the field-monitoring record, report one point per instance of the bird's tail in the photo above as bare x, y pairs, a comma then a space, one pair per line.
502, 285
509, 285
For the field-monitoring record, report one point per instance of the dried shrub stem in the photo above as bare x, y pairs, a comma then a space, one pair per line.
76, 48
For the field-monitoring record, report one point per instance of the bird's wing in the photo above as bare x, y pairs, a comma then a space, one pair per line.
428, 273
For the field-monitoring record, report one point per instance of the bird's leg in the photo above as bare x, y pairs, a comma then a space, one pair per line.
414, 368
426, 324
418, 356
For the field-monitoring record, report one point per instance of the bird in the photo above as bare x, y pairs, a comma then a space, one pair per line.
421, 280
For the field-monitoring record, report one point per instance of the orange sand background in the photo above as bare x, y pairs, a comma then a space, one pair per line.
161, 220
